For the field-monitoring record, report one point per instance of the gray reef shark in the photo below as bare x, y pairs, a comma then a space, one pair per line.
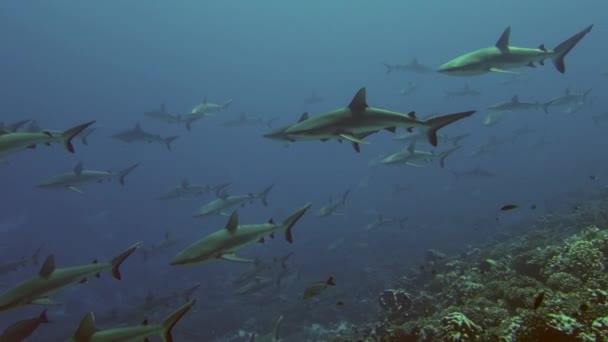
514, 104
502, 57
572, 100
225, 202
330, 208
224, 243
51, 279
11, 142
411, 156
357, 121
74, 179
137, 134
414, 66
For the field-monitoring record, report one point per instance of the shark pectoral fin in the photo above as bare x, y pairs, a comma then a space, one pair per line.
503, 71
353, 139
412, 164
46, 301
75, 189
233, 257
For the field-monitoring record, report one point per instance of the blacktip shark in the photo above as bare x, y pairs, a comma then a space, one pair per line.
414, 66
330, 208
79, 176
466, 91
11, 142
15, 126
502, 57
224, 243
357, 121
411, 156
137, 134
225, 202
88, 332
51, 279
514, 104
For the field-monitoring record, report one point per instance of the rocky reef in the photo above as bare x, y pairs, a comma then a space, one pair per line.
548, 283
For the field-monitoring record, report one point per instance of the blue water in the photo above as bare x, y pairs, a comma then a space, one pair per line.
67, 62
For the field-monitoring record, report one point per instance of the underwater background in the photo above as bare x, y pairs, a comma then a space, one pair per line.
447, 249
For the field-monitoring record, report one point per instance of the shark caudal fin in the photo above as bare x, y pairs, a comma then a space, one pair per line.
445, 154
564, 48
262, 195
124, 173
120, 258
169, 140
71, 133
434, 124
292, 219
85, 135
169, 323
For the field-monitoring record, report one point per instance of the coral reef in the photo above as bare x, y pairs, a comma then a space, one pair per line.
492, 294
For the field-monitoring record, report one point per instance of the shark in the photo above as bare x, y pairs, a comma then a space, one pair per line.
163, 115
502, 57
313, 98
225, 202
51, 279
411, 87
411, 156
226, 242
466, 91
186, 189
330, 208
137, 134
514, 104
414, 66
357, 121
11, 142
34, 127
88, 332
203, 110
571, 99
79, 176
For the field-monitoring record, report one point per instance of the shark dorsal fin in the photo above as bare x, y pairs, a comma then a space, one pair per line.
185, 183
233, 222
86, 329
503, 42
303, 117
78, 169
163, 107
271, 221
567, 92
412, 115
515, 99
542, 47
48, 267
359, 101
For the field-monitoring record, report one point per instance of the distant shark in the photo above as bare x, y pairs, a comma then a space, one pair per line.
137, 134
514, 104
224, 243
411, 156
74, 179
502, 57
225, 202
357, 121
203, 110
414, 66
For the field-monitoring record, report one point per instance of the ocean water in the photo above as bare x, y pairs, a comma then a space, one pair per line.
65, 62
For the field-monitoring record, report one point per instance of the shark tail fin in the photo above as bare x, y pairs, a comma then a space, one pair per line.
388, 67
262, 195
85, 135
275, 330
71, 133
437, 123
120, 258
169, 140
446, 154
124, 173
564, 48
292, 219
169, 323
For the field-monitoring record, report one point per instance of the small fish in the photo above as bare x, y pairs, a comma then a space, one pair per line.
316, 289
509, 207
539, 300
